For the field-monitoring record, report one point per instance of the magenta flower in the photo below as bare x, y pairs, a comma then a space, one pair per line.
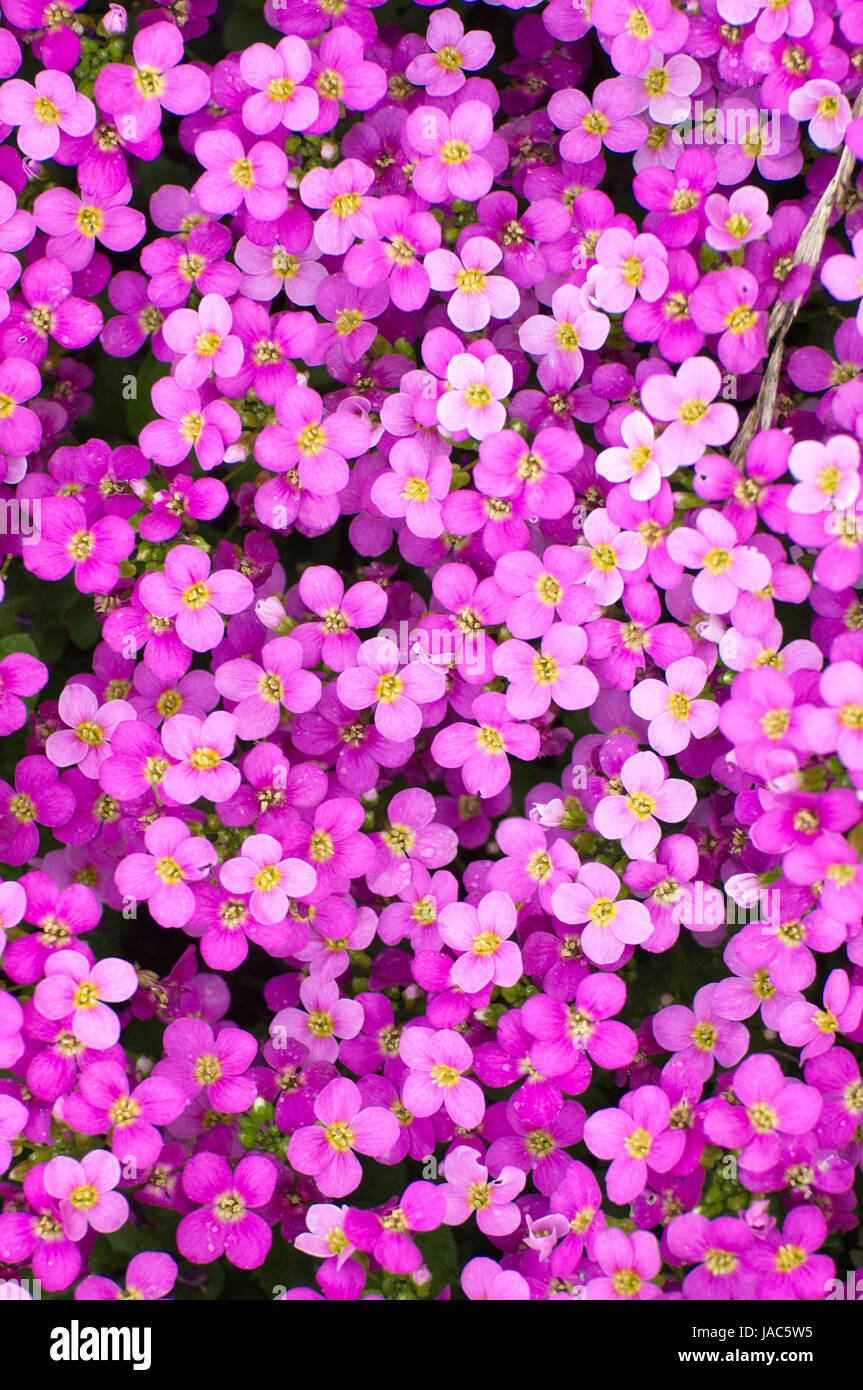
609, 926
634, 1136
203, 750
451, 163
420, 1208
197, 1059
93, 549
313, 447
602, 553
84, 1193
72, 986
188, 424
786, 1262
161, 877
676, 714
332, 638
326, 1149
481, 750
470, 1191
42, 111
189, 593
437, 1061
719, 1250
150, 1276
770, 1106
105, 1102
20, 428
725, 303
701, 1034
20, 674
393, 254
633, 816
86, 743
397, 692
227, 1222
277, 77
135, 95
628, 1264
483, 1279
13, 1118
541, 588
565, 1032
74, 224
725, 568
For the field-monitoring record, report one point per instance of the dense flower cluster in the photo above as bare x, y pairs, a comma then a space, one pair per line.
384, 413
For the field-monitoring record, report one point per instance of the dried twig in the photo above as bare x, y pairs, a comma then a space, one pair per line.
783, 315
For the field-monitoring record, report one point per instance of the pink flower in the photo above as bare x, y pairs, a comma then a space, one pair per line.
701, 1034
226, 1222
476, 295
603, 551
72, 986
820, 102
633, 816
634, 1136
483, 1279
676, 714
542, 588
236, 177
42, 111
397, 692
271, 879
643, 463
627, 265
213, 1067
316, 447
482, 752
437, 1062
725, 568
414, 487
609, 926
476, 389
479, 937
590, 122
204, 340
326, 1150
84, 1193
326, 1015
341, 192
814, 1029
72, 541
575, 326
553, 674
441, 71
332, 638
157, 79
188, 592
451, 163
628, 1264
74, 224
469, 1191
277, 77
828, 474
734, 221
161, 877
263, 690
86, 743
688, 402
203, 750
